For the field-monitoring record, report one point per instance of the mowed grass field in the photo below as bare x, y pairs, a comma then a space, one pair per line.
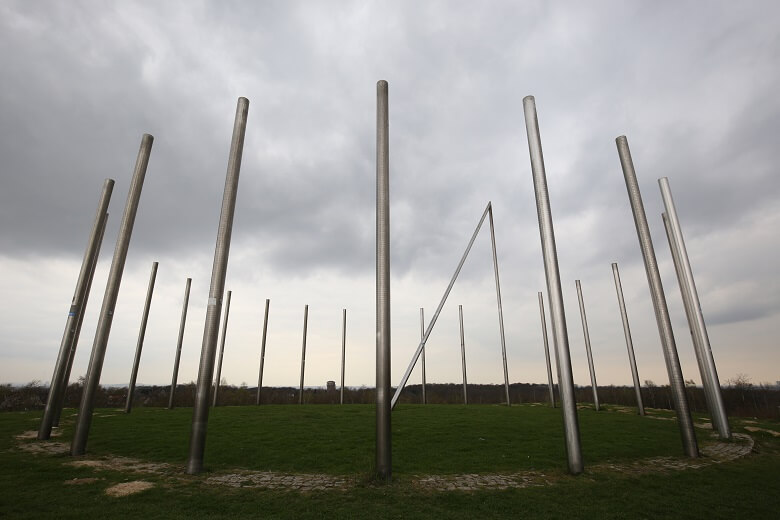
441, 440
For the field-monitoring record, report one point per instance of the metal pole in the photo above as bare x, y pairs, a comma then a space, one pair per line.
303, 352
498, 301
422, 336
92, 382
179, 342
383, 403
141, 333
676, 382
629, 343
59, 379
200, 413
222, 346
463, 355
546, 351
343, 351
262, 351
428, 330
571, 426
587, 345
707, 366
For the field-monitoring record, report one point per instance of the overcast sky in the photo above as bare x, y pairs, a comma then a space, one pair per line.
692, 85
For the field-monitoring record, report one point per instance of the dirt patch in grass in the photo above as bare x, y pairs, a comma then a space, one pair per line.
33, 434
78, 481
765, 430
128, 488
44, 447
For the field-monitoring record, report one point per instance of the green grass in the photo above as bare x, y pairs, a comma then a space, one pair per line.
426, 440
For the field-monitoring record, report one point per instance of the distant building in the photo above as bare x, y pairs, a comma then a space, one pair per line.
331, 386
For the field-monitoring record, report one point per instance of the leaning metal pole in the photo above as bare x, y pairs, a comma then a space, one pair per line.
571, 426
422, 336
200, 414
92, 382
498, 301
629, 344
383, 404
59, 379
587, 345
222, 346
546, 351
463, 356
709, 372
175, 377
343, 351
428, 330
676, 382
141, 334
262, 351
303, 352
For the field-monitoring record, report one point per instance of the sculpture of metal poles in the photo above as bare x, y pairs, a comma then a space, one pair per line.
587, 345
343, 351
303, 352
701, 340
422, 336
546, 351
629, 344
92, 382
59, 379
141, 334
383, 404
222, 346
175, 377
200, 414
571, 426
463, 355
498, 301
262, 351
676, 382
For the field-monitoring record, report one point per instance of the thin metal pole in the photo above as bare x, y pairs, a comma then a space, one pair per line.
546, 351
629, 344
707, 366
141, 333
383, 404
79, 322
571, 426
262, 351
422, 336
587, 345
222, 346
463, 356
59, 379
179, 342
92, 382
676, 382
200, 413
498, 301
303, 352
343, 351
428, 330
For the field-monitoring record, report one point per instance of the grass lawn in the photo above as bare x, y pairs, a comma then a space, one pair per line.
443, 440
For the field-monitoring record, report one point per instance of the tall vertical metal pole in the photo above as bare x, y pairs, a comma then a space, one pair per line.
175, 377
676, 382
200, 414
629, 344
262, 351
92, 382
59, 379
422, 337
343, 351
498, 301
587, 345
383, 405
463, 356
303, 352
707, 366
571, 426
546, 351
222, 346
141, 334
